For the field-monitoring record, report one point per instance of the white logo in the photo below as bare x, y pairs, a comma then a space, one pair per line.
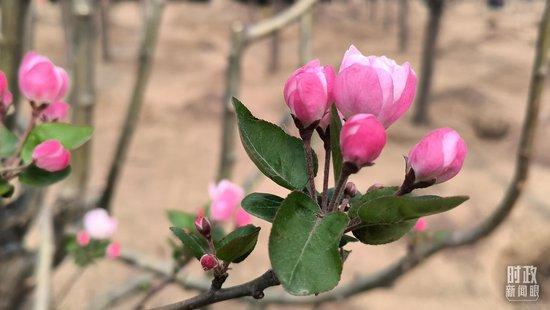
522, 283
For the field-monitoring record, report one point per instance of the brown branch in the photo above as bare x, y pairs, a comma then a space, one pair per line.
254, 288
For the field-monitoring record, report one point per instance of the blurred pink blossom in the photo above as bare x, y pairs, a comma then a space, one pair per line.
40, 80
113, 250
420, 225
226, 196
56, 111
99, 224
82, 238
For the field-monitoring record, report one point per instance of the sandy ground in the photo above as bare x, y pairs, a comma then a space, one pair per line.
479, 75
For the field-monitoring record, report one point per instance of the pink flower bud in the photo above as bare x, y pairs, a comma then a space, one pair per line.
374, 85
51, 156
40, 80
209, 262
99, 225
350, 190
56, 111
113, 250
5, 94
420, 225
82, 238
203, 226
242, 218
226, 197
308, 92
438, 156
362, 139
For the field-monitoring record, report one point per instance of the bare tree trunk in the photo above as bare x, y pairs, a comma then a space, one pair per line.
232, 85
275, 60
105, 21
428, 60
306, 25
373, 10
14, 15
403, 25
83, 93
386, 22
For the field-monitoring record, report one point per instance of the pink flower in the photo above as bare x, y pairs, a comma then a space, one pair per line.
308, 92
420, 225
82, 238
374, 85
242, 218
5, 94
56, 111
209, 261
438, 156
99, 224
51, 156
113, 250
40, 80
362, 139
226, 197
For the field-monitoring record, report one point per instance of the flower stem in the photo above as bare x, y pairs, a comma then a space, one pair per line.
309, 166
348, 169
324, 200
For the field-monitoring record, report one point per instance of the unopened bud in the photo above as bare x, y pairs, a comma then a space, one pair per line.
209, 261
203, 226
350, 190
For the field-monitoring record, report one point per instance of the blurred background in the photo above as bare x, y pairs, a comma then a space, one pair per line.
482, 63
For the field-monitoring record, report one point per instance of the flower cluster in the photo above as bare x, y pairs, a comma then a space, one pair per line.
371, 93
310, 228
45, 85
95, 239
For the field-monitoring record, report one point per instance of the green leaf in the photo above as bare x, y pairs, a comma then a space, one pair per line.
381, 234
262, 205
391, 209
236, 246
6, 189
277, 155
181, 219
196, 244
303, 246
8, 142
71, 136
355, 204
35, 176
